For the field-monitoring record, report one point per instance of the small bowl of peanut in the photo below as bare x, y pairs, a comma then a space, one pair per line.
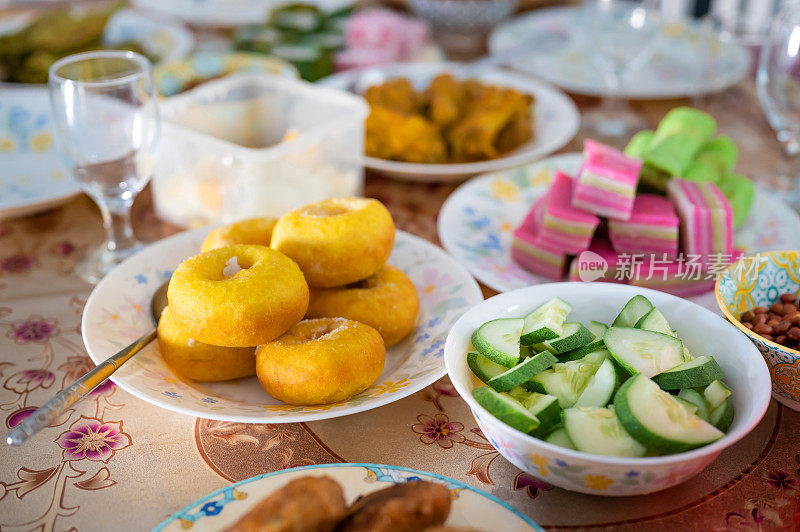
759, 295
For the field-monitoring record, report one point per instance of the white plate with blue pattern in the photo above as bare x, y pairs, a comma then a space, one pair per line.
470, 507
118, 312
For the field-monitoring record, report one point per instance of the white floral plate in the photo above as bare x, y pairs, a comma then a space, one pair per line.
681, 61
556, 117
33, 177
471, 508
476, 221
117, 313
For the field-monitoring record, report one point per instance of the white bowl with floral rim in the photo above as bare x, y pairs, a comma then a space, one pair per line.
703, 331
118, 312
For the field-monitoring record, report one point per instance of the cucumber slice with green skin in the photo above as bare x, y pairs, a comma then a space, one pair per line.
657, 420
634, 309
601, 386
506, 409
522, 372
574, 335
716, 393
545, 322
698, 372
567, 380
561, 438
598, 431
641, 351
483, 368
498, 340
691, 407
546, 409
656, 322
722, 416
694, 397
597, 329
520, 394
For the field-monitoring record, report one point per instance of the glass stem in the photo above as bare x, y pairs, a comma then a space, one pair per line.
790, 165
117, 221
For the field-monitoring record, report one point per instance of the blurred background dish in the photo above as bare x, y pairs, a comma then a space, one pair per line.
30, 43
555, 117
33, 176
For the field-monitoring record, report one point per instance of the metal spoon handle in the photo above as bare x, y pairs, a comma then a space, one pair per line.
49, 412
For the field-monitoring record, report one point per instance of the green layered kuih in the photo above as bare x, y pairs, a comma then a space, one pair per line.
740, 192
678, 139
715, 160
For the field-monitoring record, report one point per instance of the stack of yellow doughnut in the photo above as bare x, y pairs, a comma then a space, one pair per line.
236, 308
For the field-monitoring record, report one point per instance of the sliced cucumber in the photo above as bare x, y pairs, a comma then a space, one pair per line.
573, 336
657, 420
561, 438
520, 394
522, 372
567, 380
694, 397
506, 409
698, 372
656, 322
546, 409
601, 386
722, 416
498, 340
597, 329
483, 368
598, 431
691, 407
634, 309
716, 393
545, 322
641, 351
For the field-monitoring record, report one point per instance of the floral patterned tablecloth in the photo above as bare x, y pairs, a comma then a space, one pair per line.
114, 462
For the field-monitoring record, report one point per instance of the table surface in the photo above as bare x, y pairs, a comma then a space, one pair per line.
160, 461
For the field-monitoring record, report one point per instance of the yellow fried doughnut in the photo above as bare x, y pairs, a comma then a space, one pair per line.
321, 361
237, 296
387, 301
199, 361
336, 241
251, 231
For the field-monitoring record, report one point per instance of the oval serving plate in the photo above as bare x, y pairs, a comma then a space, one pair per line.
118, 312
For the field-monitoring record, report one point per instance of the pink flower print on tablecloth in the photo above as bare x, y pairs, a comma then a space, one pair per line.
15, 264
438, 429
76, 367
92, 439
35, 329
64, 248
29, 380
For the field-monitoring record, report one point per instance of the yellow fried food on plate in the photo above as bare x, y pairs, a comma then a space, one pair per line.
445, 99
387, 301
250, 231
395, 94
198, 361
407, 507
396, 136
336, 241
237, 296
305, 504
321, 361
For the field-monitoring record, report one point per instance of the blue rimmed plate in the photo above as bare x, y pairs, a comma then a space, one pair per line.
471, 507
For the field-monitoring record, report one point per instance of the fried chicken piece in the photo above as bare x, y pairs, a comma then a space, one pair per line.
408, 507
412, 138
306, 504
396, 94
445, 98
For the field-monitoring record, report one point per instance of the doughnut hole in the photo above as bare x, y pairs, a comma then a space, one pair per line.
253, 306
321, 361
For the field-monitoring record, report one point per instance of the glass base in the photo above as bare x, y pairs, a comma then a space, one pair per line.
99, 262
619, 122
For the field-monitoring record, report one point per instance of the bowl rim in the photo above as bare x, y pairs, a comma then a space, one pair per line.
695, 454
738, 324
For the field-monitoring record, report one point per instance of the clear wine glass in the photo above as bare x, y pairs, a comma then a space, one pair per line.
619, 36
778, 83
107, 124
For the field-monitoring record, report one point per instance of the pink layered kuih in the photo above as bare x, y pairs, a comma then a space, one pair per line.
565, 228
606, 183
602, 248
706, 218
533, 254
651, 229
670, 276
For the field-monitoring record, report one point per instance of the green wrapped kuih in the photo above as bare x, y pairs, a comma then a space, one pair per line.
740, 192
679, 137
716, 159
639, 143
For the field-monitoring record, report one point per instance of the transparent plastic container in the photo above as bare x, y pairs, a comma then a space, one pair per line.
256, 145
